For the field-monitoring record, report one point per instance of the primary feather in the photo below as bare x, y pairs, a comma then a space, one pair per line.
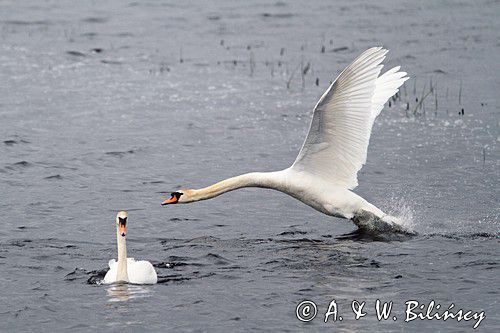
336, 146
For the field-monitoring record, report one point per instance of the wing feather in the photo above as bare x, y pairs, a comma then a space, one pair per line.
336, 146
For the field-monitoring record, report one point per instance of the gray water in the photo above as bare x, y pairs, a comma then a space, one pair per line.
112, 105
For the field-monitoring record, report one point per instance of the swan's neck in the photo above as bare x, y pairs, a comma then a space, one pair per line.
121, 274
274, 180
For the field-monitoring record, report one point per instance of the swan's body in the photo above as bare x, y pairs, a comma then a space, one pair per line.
335, 148
138, 272
127, 269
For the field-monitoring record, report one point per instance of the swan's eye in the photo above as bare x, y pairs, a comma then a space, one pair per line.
177, 195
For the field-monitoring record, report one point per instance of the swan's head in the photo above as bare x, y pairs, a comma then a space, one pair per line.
179, 196
121, 223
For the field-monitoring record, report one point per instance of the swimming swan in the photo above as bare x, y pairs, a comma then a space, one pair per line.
334, 150
127, 269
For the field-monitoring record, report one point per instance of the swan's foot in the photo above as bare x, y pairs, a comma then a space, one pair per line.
370, 223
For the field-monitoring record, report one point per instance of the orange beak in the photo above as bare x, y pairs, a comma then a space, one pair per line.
123, 229
172, 200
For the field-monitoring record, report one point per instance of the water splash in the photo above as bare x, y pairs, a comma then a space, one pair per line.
400, 213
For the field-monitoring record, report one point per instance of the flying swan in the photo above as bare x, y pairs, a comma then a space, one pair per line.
334, 150
127, 269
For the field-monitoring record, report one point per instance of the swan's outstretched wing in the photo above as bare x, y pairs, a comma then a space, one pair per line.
336, 145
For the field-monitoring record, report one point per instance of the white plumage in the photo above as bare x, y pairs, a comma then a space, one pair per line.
334, 150
336, 147
127, 269
139, 272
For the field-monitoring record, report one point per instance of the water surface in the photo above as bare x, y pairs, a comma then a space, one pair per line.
110, 106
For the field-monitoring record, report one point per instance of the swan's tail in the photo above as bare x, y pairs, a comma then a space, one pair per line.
387, 224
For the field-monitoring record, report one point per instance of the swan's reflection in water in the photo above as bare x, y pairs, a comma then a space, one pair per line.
119, 292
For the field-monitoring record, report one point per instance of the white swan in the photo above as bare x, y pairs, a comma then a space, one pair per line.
334, 150
127, 269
